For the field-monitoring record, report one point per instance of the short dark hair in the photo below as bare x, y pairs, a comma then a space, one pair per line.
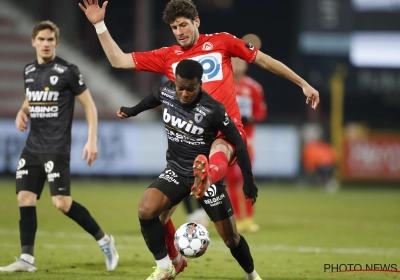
43, 25
189, 69
179, 8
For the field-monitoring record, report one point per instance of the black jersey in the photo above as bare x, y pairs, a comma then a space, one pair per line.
191, 129
51, 89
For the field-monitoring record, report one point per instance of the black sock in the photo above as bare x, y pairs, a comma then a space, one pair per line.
187, 202
242, 254
82, 217
153, 234
27, 228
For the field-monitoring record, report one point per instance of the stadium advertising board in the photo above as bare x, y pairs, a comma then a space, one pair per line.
133, 148
376, 157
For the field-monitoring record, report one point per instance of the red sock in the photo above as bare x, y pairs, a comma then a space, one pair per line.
218, 166
231, 180
169, 230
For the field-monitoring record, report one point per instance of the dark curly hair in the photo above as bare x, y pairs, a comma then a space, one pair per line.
179, 8
189, 69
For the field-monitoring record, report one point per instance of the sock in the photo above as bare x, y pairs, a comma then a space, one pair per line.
243, 256
28, 258
104, 240
164, 263
218, 166
169, 230
82, 217
27, 228
187, 202
153, 234
231, 180
251, 276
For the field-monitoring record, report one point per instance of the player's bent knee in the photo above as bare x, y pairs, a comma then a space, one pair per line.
62, 203
26, 198
231, 241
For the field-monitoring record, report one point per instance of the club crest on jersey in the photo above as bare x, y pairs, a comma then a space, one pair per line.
207, 46
177, 52
198, 117
80, 81
53, 80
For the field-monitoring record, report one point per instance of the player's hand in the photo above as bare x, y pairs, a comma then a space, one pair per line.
90, 151
250, 192
121, 114
312, 96
21, 120
92, 10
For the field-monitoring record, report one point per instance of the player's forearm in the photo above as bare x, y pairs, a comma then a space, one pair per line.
149, 102
25, 107
115, 55
268, 63
92, 121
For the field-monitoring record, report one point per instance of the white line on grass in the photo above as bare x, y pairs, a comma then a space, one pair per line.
215, 245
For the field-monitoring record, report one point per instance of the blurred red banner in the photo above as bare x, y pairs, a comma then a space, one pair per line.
376, 157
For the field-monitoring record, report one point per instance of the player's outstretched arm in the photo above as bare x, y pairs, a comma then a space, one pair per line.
149, 102
115, 55
90, 150
22, 116
268, 63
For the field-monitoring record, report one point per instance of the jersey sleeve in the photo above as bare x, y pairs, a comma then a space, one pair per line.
239, 48
75, 80
151, 61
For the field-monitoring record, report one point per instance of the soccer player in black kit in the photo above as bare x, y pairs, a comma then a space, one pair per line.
192, 120
51, 85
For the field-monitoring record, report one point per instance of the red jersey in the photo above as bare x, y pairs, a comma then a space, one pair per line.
250, 97
214, 52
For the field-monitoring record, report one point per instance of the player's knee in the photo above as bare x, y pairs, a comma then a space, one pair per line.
26, 198
62, 203
145, 212
231, 241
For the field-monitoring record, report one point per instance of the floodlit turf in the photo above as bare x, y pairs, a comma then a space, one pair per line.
302, 229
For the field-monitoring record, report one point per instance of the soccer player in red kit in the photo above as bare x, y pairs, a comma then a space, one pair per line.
214, 52
250, 97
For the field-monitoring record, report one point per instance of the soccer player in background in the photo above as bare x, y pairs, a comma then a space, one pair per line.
214, 52
192, 120
250, 97
51, 85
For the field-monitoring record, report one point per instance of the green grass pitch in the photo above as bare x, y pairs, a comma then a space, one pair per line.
302, 229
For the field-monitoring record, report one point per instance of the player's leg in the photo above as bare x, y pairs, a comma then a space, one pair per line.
177, 259
30, 179
164, 193
250, 223
224, 221
208, 172
58, 176
233, 188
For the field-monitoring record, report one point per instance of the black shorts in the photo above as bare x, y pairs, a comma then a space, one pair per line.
215, 201
34, 169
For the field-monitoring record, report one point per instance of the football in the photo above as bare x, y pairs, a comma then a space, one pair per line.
192, 240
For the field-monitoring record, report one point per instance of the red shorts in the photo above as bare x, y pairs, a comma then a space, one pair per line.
242, 133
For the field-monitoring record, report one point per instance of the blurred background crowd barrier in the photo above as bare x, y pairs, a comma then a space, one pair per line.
349, 50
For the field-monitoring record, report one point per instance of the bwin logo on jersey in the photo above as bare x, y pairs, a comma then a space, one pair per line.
181, 124
42, 95
21, 163
53, 80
